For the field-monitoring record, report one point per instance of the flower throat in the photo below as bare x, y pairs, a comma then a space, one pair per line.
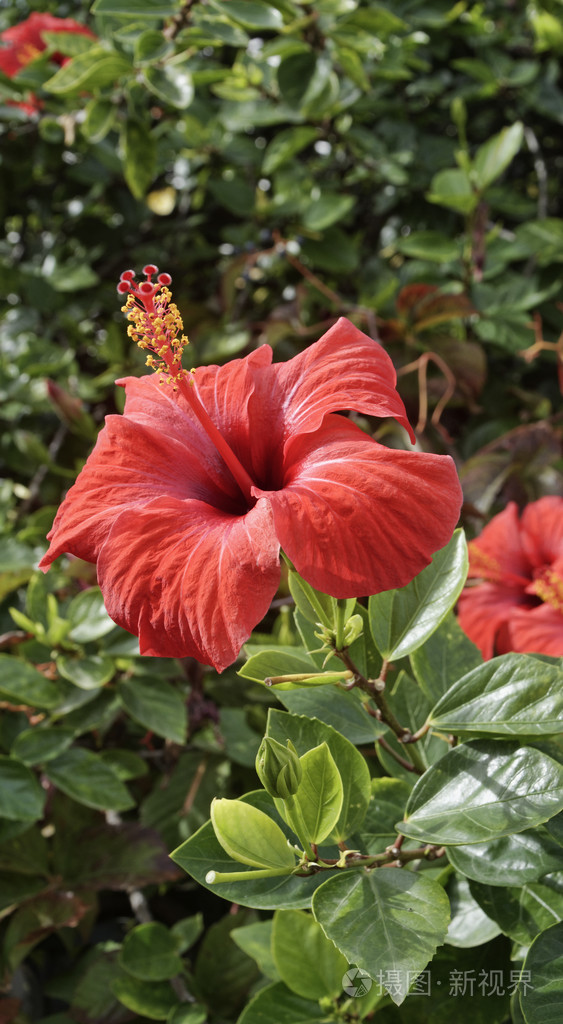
156, 326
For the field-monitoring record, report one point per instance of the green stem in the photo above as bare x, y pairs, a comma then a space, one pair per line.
216, 877
340, 623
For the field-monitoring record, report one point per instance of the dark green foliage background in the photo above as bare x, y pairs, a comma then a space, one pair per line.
286, 163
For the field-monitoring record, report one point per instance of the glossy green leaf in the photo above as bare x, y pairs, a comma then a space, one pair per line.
541, 981
312, 966
508, 696
469, 926
137, 8
21, 796
387, 920
90, 70
483, 790
446, 656
494, 156
171, 84
433, 246
21, 683
152, 999
511, 860
252, 14
88, 672
314, 810
88, 617
157, 705
453, 189
327, 210
287, 144
150, 952
100, 117
278, 1003
402, 620
273, 662
256, 941
314, 605
201, 853
344, 710
250, 836
523, 912
37, 745
85, 777
387, 805
306, 733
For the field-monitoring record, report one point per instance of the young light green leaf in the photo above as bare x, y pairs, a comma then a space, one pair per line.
250, 836
513, 695
314, 809
308, 962
306, 733
483, 790
387, 920
90, 70
494, 156
402, 620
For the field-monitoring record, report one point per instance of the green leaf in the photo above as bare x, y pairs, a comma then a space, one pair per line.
100, 118
306, 733
285, 145
329, 208
250, 13
157, 705
402, 620
277, 661
387, 920
541, 980
152, 999
469, 926
494, 156
171, 84
23, 684
312, 967
139, 149
513, 695
483, 790
524, 912
315, 808
85, 777
429, 245
277, 1003
90, 70
296, 75
21, 796
150, 952
88, 672
342, 709
446, 656
88, 617
453, 189
256, 941
238, 971
511, 860
250, 836
202, 853
37, 745
137, 8
387, 804
314, 605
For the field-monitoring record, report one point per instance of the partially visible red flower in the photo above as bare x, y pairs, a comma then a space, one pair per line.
189, 495
21, 44
518, 606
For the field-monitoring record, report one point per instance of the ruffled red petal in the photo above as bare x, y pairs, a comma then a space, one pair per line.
537, 631
483, 612
542, 531
356, 518
189, 580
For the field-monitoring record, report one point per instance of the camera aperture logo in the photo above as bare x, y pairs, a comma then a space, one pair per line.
356, 982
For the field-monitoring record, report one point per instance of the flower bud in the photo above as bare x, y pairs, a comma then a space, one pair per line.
278, 768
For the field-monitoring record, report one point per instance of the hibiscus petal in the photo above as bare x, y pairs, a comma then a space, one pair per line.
343, 370
190, 580
484, 610
356, 518
497, 553
542, 530
133, 464
537, 630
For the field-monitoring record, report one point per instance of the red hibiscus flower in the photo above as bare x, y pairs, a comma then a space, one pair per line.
22, 43
519, 604
189, 495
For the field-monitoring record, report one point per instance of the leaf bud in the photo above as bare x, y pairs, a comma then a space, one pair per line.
278, 768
